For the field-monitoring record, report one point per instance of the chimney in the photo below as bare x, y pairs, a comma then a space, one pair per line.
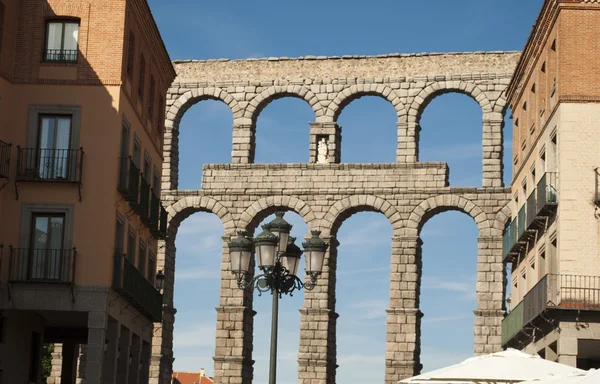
202, 372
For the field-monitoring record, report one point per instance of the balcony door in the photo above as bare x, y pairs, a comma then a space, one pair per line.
46, 252
54, 141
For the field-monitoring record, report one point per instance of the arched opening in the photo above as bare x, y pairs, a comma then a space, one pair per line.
369, 131
283, 131
448, 289
507, 140
451, 131
289, 319
209, 118
196, 292
362, 296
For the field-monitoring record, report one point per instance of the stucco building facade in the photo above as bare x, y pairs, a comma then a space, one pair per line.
82, 95
552, 244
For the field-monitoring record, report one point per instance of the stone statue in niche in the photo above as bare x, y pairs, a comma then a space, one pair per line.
322, 152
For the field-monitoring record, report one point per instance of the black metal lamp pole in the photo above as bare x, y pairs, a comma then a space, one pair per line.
278, 258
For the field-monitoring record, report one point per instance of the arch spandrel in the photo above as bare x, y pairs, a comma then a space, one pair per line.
186, 206
263, 207
443, 203
430, 92
344, 208
354, 92
260, 101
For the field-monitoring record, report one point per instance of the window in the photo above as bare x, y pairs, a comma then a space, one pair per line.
131, 245
46, 256
142, 257
156, 181
119, 236
35, 357
130, 54
553, 47
151, 99
151, 274
532, 129
1, 24
524, 145
147, 168
61, 41
525, 106
53, 144
533, 88
161, 114
125, 140
524, 187
142, 78
45, 242
533, 174
544, 67
137, 151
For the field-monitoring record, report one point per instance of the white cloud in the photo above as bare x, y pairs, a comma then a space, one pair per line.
462, 151
197, 335
444, 319
369, 309
465, 287
371, 232
196, 273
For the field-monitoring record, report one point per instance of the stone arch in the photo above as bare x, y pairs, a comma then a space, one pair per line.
260, 101
348, 95
442, 203
502, 219
265, 206
348, 206
183, 208
184, 102
439, 88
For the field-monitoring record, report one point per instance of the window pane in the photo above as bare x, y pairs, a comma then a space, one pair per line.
40, 236
63, 132
46, 139
57, 224
71, 36
53, 40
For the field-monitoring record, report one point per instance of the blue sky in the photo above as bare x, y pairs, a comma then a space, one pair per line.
451, 132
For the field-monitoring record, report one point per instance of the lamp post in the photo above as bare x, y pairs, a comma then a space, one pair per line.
278, 258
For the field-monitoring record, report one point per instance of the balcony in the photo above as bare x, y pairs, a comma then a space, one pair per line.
540, 204
4, 159
512, 323
27, 265
60, 55
553, 292
129, 180
134, 287
49, 165
144, 204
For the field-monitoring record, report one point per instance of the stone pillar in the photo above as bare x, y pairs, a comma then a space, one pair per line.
493, 124
403, 334
170, 169
233, 352
55, 373
317, 356
490, 295
70, 353
330, 132
81, 364
244, 143
99, 332
145, 366
123, 355
161, 361
408, 142
136, 358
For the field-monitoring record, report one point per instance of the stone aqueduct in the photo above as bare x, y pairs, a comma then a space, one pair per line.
407, 192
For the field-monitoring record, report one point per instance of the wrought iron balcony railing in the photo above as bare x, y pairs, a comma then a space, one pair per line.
553, 292
60, 55
547, 193
133, 286
4, 159
30, 265
49, 165
142, 208
154, 213
129, 179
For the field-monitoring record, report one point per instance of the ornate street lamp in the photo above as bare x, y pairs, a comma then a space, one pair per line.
278, 258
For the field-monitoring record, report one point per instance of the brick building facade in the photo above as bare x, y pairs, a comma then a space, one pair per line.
552, 244
82, 94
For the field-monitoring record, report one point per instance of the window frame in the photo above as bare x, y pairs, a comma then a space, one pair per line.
142, 79
131, 242
63, 21
147, 161
130, 64
29, 209
36, 112
120, 220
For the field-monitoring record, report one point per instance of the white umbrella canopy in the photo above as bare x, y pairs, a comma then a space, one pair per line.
591, 377
510, 366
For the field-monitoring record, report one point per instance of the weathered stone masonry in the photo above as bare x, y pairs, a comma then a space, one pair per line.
408, 193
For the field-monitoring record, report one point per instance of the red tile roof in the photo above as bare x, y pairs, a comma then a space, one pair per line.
190, 378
